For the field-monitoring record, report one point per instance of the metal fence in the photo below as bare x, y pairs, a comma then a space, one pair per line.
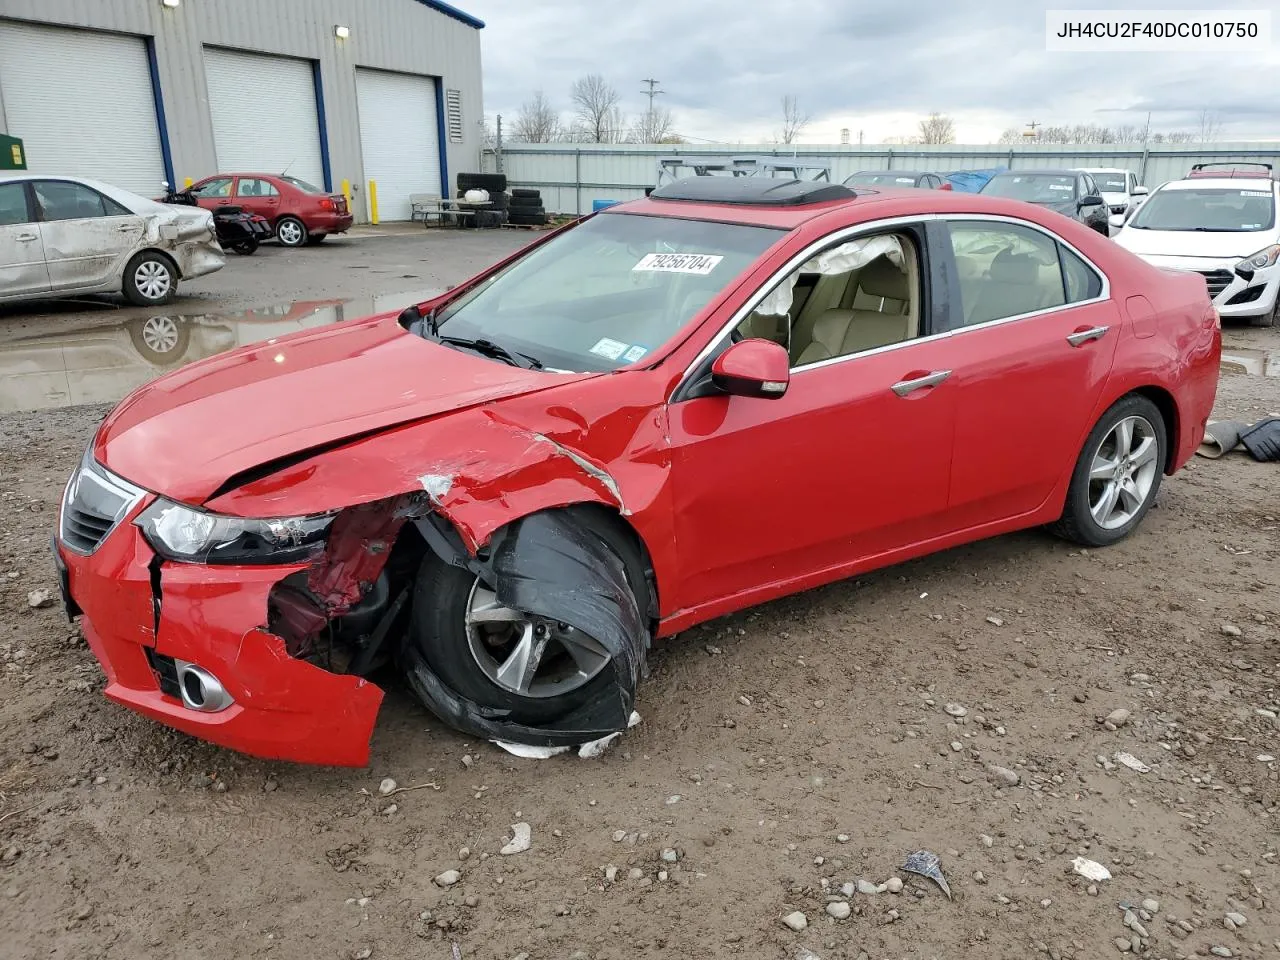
571, 176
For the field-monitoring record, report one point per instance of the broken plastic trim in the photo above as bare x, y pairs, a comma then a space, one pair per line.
549, 564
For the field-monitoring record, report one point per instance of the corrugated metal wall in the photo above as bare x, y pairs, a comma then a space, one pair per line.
399, 35
571, 177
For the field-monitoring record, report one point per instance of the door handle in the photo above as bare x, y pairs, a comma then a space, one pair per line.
26, 237
1081, 337
906, 387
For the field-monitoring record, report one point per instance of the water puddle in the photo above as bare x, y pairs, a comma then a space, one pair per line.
1248, 360
101, 363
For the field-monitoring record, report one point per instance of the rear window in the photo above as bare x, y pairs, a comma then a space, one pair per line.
1033, 187
1111, 182
302, 185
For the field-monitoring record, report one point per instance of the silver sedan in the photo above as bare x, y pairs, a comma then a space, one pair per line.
69, 236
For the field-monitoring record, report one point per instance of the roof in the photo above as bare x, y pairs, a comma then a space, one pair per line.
1042, 171
896, 173
752, 191
449, 11
1103, 169
1220, 182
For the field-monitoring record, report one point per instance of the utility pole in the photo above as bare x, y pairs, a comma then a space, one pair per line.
652, 92
1032, 128
498, 146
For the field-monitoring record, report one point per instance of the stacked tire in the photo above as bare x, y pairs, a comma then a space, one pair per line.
494, 184
525, 208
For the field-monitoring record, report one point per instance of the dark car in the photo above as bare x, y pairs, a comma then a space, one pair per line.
299, 212
897, 178
1072, 193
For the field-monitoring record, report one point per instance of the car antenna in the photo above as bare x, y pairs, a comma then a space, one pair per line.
289, 167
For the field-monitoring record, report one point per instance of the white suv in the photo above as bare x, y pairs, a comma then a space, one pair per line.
1221, 223
1120, 188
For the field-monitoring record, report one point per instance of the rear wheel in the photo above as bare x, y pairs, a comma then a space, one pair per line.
246, 248
291, 231
1117, 476
150, 279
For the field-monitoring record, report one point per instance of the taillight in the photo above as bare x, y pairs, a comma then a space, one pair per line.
328, 204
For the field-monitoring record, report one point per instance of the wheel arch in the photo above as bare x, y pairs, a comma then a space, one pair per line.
172, 260
1168, 408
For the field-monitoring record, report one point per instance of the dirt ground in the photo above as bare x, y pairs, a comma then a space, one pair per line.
783, 752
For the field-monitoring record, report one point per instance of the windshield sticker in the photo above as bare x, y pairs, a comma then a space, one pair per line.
1254, 193
634, 353
609, 349
1060, 186
697, 263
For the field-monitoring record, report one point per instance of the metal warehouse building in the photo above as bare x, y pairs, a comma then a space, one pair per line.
135, 92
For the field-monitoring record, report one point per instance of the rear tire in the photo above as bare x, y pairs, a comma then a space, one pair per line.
150, 279
246, 248
316, 239
1116, 480
291, 232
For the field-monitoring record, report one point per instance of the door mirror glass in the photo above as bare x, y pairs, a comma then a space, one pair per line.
1116, 220
753, 368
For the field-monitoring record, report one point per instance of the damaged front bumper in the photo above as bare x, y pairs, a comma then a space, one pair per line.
141, 616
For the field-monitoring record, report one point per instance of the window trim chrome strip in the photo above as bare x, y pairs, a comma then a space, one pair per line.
878, 226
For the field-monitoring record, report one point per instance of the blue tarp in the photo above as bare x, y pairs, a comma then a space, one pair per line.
971, 181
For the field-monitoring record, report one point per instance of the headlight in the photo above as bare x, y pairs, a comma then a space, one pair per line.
1265, 257
178, 532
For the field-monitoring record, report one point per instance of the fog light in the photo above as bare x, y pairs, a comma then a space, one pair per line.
201, 690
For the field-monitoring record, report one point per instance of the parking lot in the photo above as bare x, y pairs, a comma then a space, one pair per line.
783, 752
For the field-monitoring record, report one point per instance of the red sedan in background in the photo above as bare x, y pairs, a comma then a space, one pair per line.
299, 212
734, 390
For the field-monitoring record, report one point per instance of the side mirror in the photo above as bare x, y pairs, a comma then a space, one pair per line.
1116, 220
1091, 201
753, 368
1140, 191
1244, 272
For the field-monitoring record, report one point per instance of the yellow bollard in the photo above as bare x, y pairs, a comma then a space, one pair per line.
188, 182
373, 201
346, 192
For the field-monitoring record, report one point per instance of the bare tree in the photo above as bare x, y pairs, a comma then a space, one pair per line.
537, 121
1210, 126
1180, 136
793, 120
597, 118
1012, 135
937, 128
1129, 133
652, 126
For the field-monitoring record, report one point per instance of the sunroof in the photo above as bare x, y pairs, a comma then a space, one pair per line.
753, 191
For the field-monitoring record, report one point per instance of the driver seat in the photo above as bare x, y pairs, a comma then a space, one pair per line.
841, 331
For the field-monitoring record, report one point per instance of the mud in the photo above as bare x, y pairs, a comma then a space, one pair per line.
767, 737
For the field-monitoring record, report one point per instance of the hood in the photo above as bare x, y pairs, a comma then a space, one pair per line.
1191, 244
185, 434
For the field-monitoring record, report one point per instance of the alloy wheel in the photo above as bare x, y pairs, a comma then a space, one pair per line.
527, 655
1123, 472
153, 279
289, 233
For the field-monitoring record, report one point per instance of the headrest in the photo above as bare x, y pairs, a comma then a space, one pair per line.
880, 278
1010, 267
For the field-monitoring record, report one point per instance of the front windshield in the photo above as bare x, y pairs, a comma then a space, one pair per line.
1111, 182
1033, 187
1211, 209
608, 292
886, 179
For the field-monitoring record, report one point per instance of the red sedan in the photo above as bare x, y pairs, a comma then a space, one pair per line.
734, 390
299, 212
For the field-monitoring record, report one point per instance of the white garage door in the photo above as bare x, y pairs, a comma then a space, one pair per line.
82, 103
264, 114
399, 138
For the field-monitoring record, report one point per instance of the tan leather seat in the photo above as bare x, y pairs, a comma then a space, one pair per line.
1016, 283
842, 331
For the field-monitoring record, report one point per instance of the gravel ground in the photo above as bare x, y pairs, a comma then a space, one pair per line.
972, 704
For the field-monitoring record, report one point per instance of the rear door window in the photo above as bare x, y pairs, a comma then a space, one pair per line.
63, 200
13, 204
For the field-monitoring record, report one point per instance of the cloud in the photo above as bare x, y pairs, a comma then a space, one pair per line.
725, 65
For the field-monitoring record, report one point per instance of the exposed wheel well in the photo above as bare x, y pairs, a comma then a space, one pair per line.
1169, 411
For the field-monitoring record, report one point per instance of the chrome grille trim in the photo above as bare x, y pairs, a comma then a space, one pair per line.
94, 503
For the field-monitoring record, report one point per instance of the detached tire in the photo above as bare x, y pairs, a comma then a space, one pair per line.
492, 182
460, 633
526, 193
150, 279
1117, 475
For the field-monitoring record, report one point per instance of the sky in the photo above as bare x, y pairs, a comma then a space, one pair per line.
869, 66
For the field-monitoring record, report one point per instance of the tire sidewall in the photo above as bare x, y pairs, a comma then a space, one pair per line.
1077, 511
